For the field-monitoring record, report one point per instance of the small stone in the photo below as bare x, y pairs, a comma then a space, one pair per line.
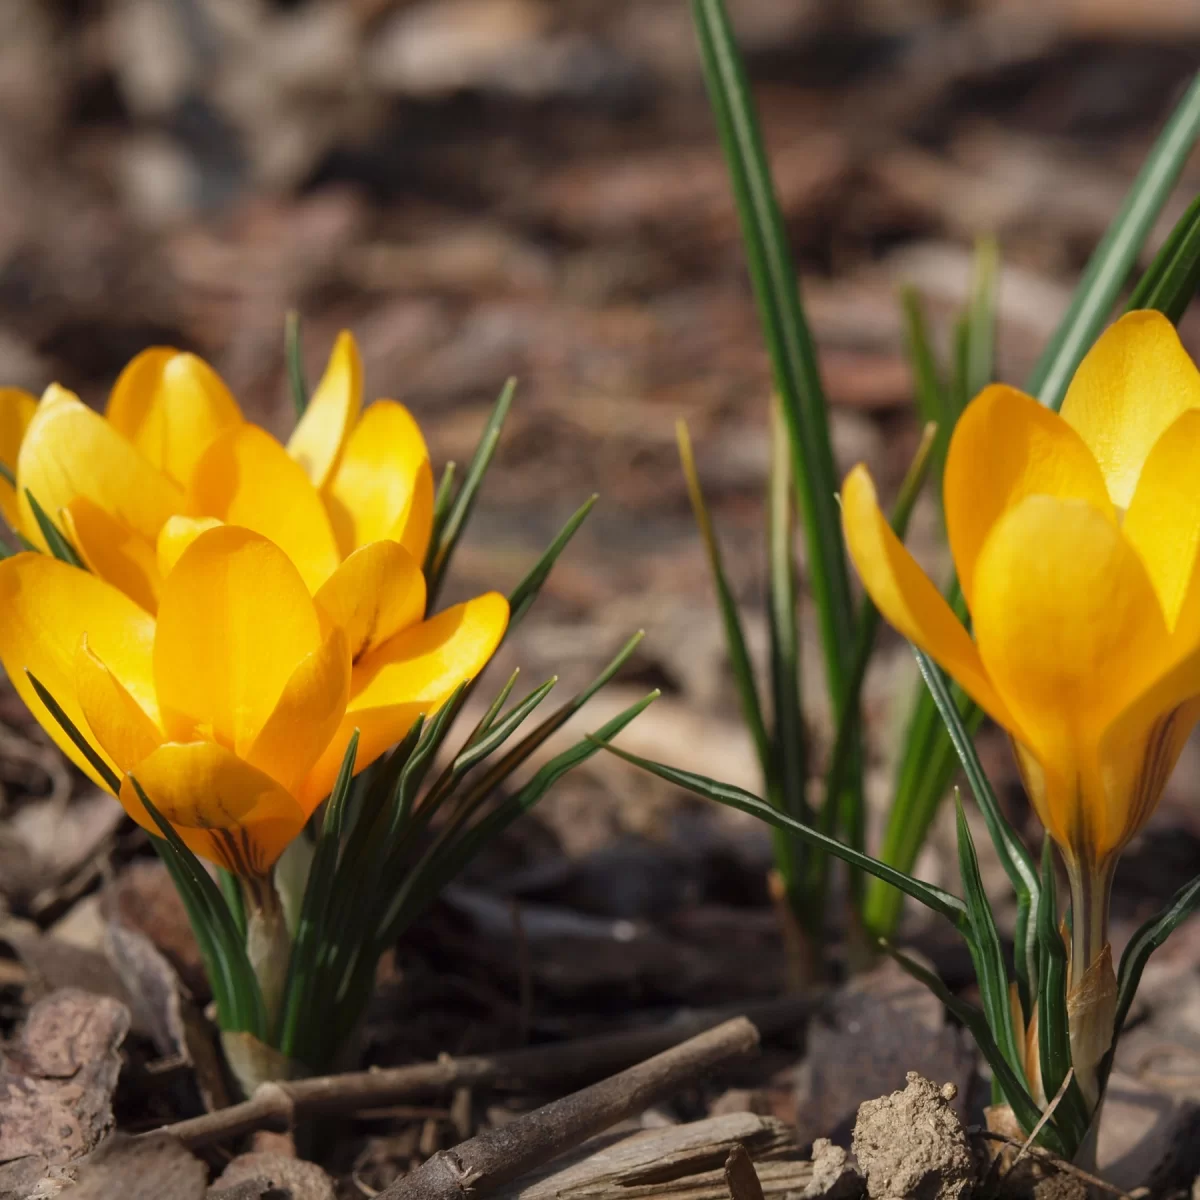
911, 1143
834, 1175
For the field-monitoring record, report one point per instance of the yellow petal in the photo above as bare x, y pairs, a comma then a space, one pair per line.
176, 536
1070, 631
1007, 446
70, 451
113, 551
1163, 521
1133, 383
122, 727
307, 715
378, 591
383, 487
246, 478
413, 673
16, 411
170, 406
224, 809
46, 607
907, 598
234, 621
319, 437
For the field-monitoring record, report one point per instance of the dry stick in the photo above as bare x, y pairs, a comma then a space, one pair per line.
1033, 1133
740, 1176
495, 1157
1052, 1160
278, 1105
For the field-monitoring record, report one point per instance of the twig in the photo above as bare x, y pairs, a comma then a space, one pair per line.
1033, 1133
1053, 1160
279, 1105
495, 1157
741, 1176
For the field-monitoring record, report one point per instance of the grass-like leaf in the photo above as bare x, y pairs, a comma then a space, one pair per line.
296, 1033
1024, 1107
107, 774
935, 898
1117, 252
789, 342
442, 500
440, 552
1148, 938
933, 403
1054, 1036
986, 951
1014, 856
1170, 281
213, 925
981, 318
55, 539
7, 475
525, 593
735, 638
293, 353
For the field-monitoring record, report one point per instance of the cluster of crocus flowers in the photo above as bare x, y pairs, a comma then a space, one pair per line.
1075, 541
244, 606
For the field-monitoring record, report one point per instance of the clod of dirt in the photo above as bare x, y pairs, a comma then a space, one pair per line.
834, 1176
294, 1177
911, 1145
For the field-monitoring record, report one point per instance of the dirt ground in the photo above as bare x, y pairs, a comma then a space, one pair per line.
486, 188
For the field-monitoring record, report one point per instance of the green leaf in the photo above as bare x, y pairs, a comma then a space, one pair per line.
932, 897
297, 1027
735, 638
107, 774
526, 592
1054, 1037
789, 342
444, 861
1172, 278
789, 773
1024, 1106
226, 961
293, 353
986, 950
846, 739
981, 318
442, 501
1148, 938
933, 404
438, 557
1014, 857
1117, 252
59, 546
496, 735
7, 475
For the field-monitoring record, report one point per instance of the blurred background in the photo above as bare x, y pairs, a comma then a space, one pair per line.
485, 188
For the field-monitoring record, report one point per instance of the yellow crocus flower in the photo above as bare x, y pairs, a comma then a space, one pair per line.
1074, 537
231, 707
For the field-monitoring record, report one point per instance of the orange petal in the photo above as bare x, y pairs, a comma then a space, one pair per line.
1007, 446
318, 439
1132, 384
383, 487
413, 673
234, 622
170, 406
16, 411
113, 551
246, 478
378, 591
123, 728
70, 451
176, 536
46, 607
307, 715
224, 809
907, 598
